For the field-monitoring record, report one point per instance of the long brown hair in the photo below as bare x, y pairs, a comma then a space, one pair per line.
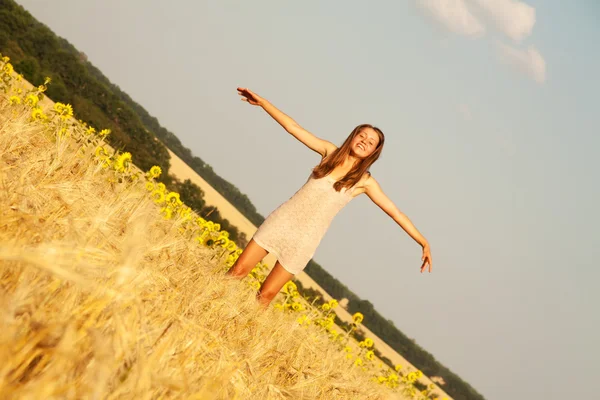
334, 159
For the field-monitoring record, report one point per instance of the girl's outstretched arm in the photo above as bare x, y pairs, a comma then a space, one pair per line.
375, 193
323, 147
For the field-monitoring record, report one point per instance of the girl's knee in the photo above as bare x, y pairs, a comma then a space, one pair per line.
267, 293
239, 270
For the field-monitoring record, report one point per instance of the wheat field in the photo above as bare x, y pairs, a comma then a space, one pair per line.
102, 297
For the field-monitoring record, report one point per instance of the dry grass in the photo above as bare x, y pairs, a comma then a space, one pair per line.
101, 298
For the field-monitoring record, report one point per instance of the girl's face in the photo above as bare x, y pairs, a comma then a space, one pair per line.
364, 143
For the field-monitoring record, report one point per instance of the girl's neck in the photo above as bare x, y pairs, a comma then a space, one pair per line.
346, 165
349, 162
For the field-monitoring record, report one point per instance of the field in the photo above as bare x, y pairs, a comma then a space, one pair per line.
182, 171
112, 288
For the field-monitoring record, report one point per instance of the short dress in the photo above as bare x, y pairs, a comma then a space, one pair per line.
293, 230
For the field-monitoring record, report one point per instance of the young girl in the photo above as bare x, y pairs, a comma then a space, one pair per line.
293, 231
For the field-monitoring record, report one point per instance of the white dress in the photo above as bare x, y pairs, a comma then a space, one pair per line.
293, 230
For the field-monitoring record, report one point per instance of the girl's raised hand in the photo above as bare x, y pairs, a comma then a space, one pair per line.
249, 96
426, 258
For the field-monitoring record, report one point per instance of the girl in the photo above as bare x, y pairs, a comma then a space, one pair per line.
293, 231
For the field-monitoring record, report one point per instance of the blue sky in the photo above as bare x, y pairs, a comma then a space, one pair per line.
489, 108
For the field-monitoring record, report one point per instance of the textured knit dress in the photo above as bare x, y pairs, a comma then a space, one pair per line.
293, 231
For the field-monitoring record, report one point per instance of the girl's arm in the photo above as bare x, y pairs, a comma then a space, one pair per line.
375, 193
323, 147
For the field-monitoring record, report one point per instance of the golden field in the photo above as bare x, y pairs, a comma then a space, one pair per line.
182, 171
112, 288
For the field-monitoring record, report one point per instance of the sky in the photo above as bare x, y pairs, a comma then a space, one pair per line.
490, 113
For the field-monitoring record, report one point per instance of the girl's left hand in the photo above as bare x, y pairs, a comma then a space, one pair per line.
426, 258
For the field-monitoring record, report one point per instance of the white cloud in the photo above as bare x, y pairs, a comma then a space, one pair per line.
514, 18
529, 61
455, 15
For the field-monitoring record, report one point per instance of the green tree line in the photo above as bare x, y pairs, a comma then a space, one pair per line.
37, 52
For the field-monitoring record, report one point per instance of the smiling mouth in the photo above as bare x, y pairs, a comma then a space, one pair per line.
360, 146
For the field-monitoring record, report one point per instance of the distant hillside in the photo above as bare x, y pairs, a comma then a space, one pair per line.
37, 52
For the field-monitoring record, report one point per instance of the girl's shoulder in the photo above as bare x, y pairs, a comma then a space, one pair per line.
329, 148
366, 179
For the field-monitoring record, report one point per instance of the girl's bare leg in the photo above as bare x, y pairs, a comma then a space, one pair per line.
273, 284
251, 256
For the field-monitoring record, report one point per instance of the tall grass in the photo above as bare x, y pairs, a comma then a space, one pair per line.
102, 298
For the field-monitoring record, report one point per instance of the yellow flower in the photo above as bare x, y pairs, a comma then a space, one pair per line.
202, 238
199, 221
101, 152
104, 132
393, 378
150, 186
370, 355
32, 100
90, 131
15, 100
161, 186
123, 161
19, 78
368, 342
357, 318
398, 367
231, 246
358, 362
290, 287
158, 196
47, 80
173, 198
5, 59
411, 377
297, 306
381, 379
8, 69
167, 211
348, 349
65, 111
333, 303
326, 307
419, 374
38, 114
155, 171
